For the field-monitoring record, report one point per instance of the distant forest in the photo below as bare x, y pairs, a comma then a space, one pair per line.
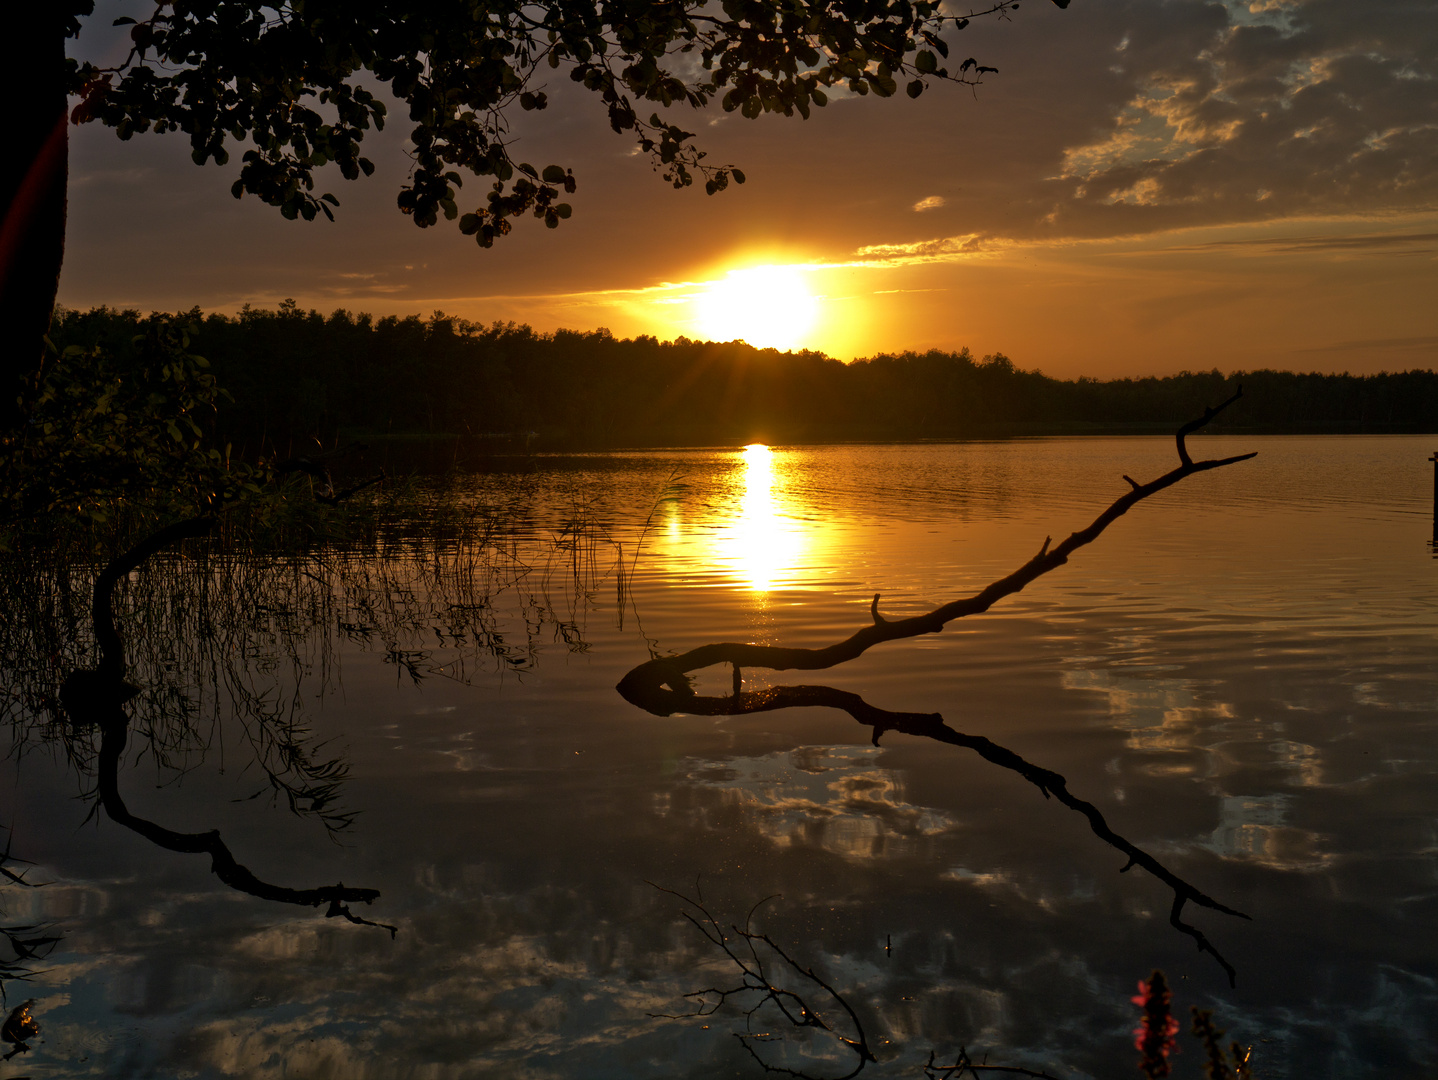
297, 376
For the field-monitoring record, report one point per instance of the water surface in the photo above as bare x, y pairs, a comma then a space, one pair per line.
1239, 675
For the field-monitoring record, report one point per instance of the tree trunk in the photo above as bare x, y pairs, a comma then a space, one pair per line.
33, 174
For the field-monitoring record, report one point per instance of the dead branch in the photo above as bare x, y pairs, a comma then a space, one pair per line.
758, 987
673, 671
663, 701
964, 1064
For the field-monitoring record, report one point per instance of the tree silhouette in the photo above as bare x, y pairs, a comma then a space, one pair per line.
296, 79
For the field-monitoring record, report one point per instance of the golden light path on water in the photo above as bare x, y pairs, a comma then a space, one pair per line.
762, 541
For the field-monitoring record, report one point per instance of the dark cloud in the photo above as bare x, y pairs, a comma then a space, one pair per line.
1251, 111
1377, 243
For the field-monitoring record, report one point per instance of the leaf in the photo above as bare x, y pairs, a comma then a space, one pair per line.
738, 176
553, 174
914, 89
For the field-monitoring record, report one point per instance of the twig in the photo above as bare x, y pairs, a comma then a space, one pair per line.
755, 979
964, 1064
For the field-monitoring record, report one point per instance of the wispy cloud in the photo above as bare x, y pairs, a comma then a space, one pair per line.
1377, 243
1396, 343
938, 249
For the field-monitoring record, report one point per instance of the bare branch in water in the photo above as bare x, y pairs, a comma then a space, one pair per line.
964, 1064
661, 685
664, 701
673, 671
756, 956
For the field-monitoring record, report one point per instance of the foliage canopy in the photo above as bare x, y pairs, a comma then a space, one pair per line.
299, 79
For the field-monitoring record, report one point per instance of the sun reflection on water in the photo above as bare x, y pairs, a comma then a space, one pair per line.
764, 542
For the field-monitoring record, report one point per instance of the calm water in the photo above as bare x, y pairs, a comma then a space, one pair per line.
1239, 675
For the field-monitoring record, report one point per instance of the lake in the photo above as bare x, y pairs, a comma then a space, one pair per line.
1238, 676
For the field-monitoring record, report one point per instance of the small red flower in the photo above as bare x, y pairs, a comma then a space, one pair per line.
1154, 1036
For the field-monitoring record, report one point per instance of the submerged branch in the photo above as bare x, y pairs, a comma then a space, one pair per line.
760, 985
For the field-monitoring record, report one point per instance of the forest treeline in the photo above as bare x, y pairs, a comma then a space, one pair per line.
294, 376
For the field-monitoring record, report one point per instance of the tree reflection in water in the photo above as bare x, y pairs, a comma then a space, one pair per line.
662, 685
211, 637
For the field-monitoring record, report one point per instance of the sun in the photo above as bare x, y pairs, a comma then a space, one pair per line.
767, 306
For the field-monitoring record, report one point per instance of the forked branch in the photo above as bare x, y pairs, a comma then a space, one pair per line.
756, 956
673, 671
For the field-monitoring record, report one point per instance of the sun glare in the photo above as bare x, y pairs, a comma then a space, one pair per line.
767, 306
763, 543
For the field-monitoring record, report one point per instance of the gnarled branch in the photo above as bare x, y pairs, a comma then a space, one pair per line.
673, 671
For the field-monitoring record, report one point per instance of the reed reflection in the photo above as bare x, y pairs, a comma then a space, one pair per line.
174, 640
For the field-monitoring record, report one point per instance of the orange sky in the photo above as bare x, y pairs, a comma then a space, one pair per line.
1144, 187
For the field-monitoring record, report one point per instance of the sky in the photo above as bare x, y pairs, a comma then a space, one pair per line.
1144, 187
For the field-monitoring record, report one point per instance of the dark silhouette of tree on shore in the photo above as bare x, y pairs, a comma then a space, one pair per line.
296, 79
295, 376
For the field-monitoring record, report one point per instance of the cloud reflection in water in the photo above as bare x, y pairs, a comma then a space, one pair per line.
832, 797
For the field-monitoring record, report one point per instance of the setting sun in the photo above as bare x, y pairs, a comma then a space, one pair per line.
767, 306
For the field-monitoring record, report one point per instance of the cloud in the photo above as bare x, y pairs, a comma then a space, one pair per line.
1257, 111
930, 202
1375, 243
939, 249
1429, 342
